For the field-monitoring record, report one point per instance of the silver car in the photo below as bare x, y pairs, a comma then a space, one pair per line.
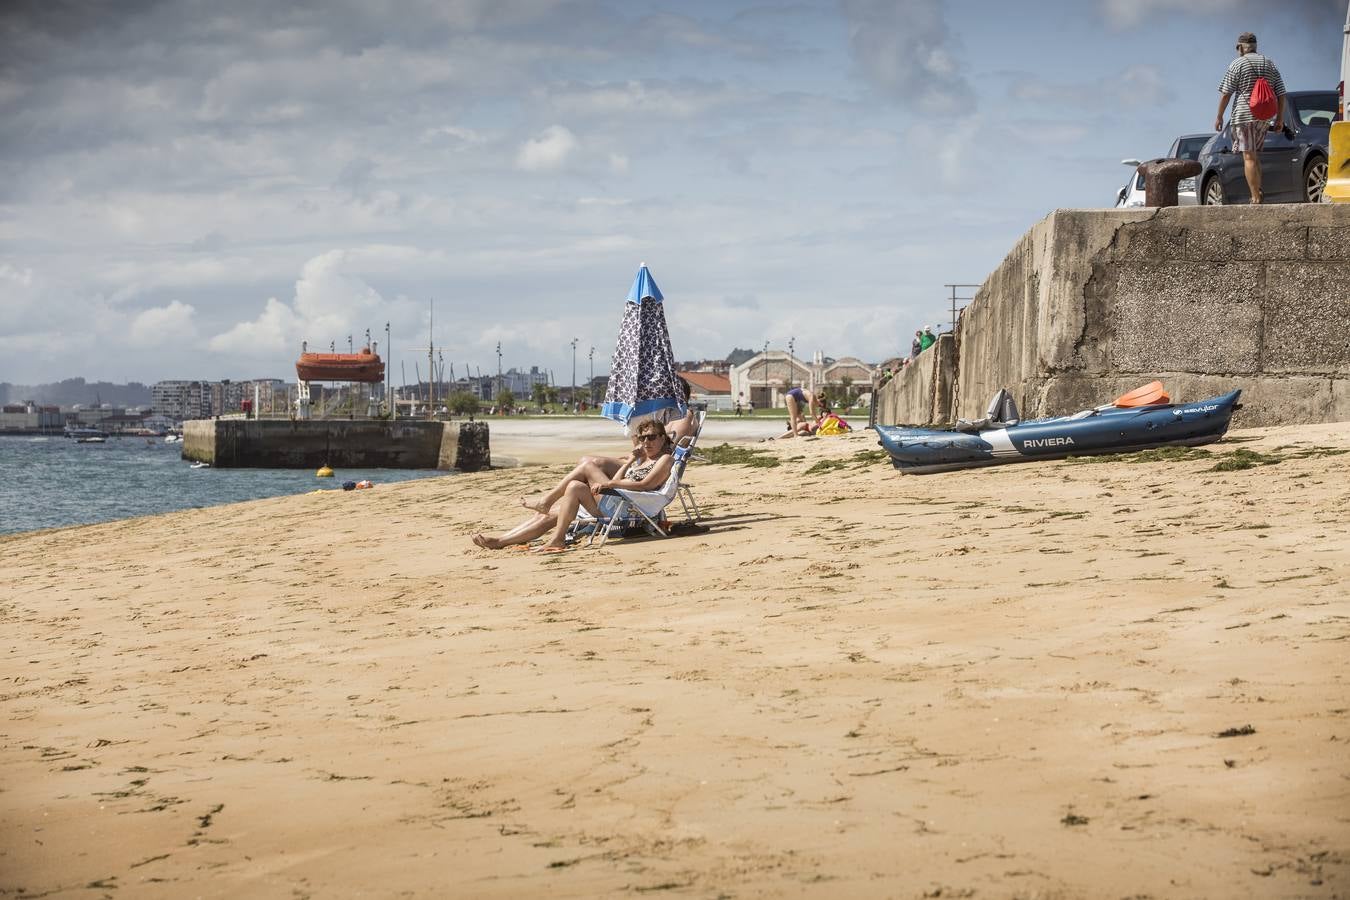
1188, 146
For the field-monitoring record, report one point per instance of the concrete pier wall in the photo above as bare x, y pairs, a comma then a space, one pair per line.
284, 444
1091, 303
923, 393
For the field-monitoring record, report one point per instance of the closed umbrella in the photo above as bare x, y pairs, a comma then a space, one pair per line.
642, 379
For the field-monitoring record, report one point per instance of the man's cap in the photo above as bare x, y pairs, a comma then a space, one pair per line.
1246, 38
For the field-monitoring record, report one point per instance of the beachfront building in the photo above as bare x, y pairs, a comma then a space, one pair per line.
764, 378
710, 388
227, 396
180, 400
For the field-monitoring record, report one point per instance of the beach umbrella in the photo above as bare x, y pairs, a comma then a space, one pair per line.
642, 380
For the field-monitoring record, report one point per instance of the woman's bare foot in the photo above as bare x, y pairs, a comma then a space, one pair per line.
533, 504
486, 542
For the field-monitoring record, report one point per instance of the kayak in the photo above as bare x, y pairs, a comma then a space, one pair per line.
1105, 429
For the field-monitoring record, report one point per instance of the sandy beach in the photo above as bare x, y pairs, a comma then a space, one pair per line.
1116, 678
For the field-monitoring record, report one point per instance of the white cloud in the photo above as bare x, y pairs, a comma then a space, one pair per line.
332, 300
268, 335
15, 275
1138, 86
1128, 13
163, 325
546, 151
905, 50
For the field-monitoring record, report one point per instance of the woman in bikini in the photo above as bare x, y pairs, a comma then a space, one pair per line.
796, 399
798, 426
647, 469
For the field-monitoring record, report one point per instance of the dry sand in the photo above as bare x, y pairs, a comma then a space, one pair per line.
1010, 682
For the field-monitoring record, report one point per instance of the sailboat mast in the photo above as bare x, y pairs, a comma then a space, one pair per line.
431, 344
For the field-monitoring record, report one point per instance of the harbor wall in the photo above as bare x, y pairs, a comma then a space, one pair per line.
1091, 303
923, 392
308, 444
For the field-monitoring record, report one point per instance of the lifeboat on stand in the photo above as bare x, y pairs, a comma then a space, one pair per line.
366, 367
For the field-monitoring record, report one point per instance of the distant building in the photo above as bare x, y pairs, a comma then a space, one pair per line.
710, 388
713, 366
521, 384
765, 378
25, 417
180, 400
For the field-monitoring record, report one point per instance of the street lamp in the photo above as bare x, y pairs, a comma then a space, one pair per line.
499, 372
592, 381
574, 374
766, 374
792, 362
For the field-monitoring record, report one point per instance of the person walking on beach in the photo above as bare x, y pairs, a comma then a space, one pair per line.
1249, 132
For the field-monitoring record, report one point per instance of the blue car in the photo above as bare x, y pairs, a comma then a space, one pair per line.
1293, 162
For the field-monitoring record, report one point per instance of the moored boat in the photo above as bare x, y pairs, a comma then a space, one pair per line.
1105, 429
365, 366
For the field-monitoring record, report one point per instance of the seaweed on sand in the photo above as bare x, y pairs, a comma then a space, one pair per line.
727, 455
1242, 458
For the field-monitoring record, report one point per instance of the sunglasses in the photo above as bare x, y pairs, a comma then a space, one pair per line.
650, 437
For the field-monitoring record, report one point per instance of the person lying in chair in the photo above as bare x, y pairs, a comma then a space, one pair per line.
647, 469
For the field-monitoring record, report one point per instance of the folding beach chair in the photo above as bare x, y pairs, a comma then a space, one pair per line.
645, 509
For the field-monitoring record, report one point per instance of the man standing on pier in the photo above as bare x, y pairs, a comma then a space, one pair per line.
1249, 132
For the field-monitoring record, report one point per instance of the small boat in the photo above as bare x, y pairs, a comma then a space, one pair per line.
92, 439
365, 366
1139, 422
172, 438
200, 465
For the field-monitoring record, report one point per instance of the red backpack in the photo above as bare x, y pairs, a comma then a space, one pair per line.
1262, 100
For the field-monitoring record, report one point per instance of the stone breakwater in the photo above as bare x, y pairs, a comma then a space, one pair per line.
1091, 303
285, 444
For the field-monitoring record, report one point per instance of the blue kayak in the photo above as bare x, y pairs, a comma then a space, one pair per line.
1107, 429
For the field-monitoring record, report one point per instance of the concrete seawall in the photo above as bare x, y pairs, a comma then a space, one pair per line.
284, 444
1091, 303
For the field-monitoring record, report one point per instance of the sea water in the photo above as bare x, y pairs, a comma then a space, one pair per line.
53, 481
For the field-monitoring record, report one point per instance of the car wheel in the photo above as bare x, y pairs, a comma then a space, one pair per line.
1314, 179
1213, 192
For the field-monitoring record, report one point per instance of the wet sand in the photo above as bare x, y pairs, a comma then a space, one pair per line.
1107, 679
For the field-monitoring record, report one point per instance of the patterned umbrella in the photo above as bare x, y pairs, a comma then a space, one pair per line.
642, 380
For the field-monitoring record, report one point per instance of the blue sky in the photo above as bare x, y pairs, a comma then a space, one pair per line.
189, 189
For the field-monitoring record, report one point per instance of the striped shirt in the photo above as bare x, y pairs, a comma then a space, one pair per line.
1241, 77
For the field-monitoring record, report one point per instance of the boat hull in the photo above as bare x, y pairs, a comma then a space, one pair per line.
920, 451
363, 367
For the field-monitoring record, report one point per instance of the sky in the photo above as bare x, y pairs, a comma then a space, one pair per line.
190, 189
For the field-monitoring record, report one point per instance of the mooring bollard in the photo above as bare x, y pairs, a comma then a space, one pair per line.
474, 452
1161, 177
